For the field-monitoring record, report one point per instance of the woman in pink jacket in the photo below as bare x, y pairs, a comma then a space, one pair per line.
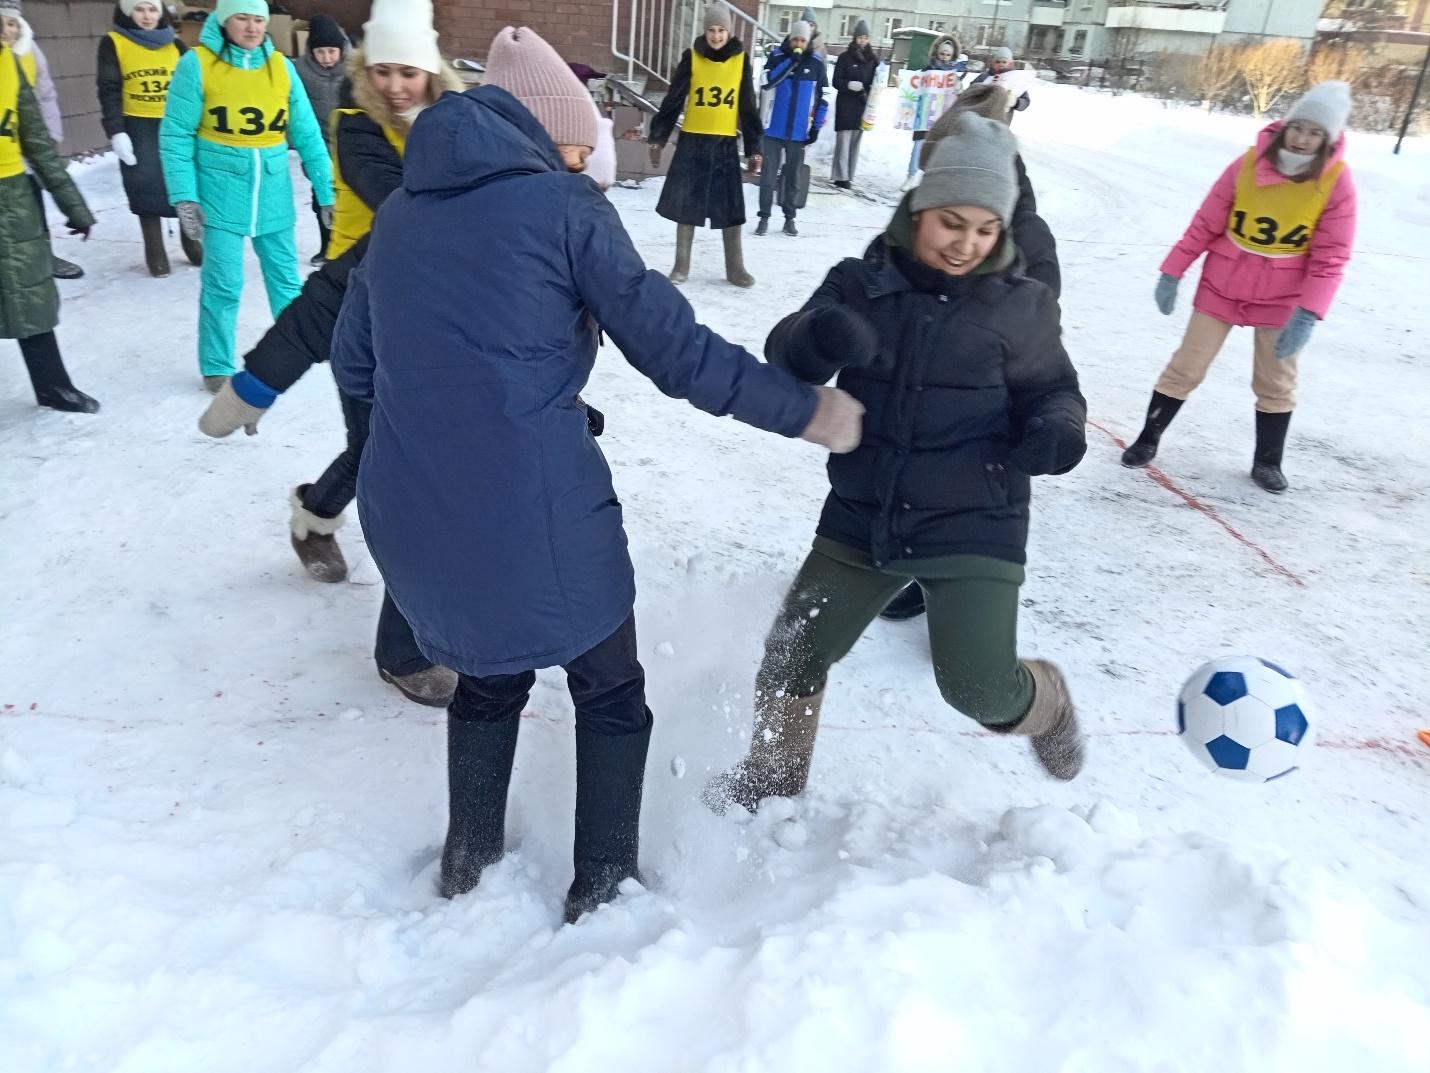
1276, 230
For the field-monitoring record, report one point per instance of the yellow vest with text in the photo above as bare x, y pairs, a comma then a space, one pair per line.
351, 217
245, 109
145, 74
1277, 220
713, 106
12, 159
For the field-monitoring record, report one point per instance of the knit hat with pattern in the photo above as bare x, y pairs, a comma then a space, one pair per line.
524, 65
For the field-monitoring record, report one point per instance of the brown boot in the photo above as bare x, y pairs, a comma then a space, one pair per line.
684, 239
735, 260
314, 541
1051, 722
156, 258
781, 749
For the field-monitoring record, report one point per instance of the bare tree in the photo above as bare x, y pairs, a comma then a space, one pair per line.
1271, 70
1217, 72
1335, 63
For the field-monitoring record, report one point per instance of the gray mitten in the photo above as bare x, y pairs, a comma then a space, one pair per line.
191, 219
228, 413
1166, 294
325, 213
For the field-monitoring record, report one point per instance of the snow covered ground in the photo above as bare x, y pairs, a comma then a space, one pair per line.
218, 828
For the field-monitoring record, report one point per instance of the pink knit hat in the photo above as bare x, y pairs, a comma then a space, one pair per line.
524, 65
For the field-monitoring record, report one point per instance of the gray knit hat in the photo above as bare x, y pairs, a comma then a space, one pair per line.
800, 29
861, 29
1002, 52
717, 14
973, 166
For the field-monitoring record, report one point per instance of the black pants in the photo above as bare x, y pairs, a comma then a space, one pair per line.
323, 233
396, 649
772, 171
607, 686
42, 359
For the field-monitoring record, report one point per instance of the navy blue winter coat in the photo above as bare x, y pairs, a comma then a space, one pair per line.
471, 326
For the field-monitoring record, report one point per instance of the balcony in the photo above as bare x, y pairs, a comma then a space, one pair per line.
1171, 20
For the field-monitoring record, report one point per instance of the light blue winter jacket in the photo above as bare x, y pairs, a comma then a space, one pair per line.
245, 191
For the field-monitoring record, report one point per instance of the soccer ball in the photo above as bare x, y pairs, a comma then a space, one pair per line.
1246, 718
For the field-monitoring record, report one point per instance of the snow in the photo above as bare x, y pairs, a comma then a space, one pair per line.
219, 829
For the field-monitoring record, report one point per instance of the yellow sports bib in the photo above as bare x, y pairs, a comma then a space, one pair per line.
12, 161
247, 109
145, 74
713, 106
351, 217
1277, 220
30, 67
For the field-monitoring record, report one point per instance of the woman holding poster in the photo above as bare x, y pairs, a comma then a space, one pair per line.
923, 95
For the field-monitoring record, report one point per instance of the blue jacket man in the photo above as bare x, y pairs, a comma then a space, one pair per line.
797, 78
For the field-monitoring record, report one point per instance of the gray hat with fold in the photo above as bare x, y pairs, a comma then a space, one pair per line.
974, 165
717, 15
801, 30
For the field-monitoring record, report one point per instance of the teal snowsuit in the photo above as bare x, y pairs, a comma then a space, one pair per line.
243, 192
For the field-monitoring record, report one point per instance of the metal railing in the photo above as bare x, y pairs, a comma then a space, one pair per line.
649, 36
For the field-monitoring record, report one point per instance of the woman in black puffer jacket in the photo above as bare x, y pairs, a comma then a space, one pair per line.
958, 361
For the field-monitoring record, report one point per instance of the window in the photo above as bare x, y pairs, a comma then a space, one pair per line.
938, 27
786, 21
847, 24
890, 25
982, 36
1079, 43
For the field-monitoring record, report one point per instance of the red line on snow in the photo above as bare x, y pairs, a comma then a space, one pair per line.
1196, 504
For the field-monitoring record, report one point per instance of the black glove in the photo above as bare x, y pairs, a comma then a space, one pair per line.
80, 229
595, 420
1054, 446
813, 134
845, 339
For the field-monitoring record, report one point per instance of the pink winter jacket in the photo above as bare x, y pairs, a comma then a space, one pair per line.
1245, 288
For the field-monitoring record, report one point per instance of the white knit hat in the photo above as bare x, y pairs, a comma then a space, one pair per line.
1327, 105
401, 32
801, 30
128, 6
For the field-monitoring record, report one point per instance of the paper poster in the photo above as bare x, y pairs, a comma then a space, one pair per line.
923, 97
871, 103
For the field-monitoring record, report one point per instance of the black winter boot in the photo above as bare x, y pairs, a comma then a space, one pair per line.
156, 258
479, 760
610, 775
193, 249
49, 378
763, 227
1270, 443
908, 604
1160, 412
62, 269
790, 229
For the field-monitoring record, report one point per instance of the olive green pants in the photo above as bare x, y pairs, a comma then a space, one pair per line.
972, 622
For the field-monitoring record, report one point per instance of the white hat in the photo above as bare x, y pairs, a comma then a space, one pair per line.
1327, 105
400, 31
801, 30
128, 6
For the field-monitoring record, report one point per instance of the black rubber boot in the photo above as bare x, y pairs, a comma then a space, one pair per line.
610, 775
156, 258
1160, 412
1270, 443
49, 377
479, 760
908, 604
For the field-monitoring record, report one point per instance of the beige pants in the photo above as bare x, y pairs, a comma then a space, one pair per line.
1273, 380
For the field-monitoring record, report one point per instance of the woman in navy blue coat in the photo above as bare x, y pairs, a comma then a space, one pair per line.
472, 326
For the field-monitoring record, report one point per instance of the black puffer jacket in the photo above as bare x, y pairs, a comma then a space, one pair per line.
973, 359
854, 65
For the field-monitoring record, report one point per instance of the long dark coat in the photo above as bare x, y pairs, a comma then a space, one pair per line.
144, 182
29, 302
704, 181
853, 65
472, 326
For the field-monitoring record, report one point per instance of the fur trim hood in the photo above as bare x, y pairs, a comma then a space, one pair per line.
365, 95
25, 43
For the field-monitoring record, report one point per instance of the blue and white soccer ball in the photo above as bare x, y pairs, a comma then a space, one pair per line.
1246, 718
